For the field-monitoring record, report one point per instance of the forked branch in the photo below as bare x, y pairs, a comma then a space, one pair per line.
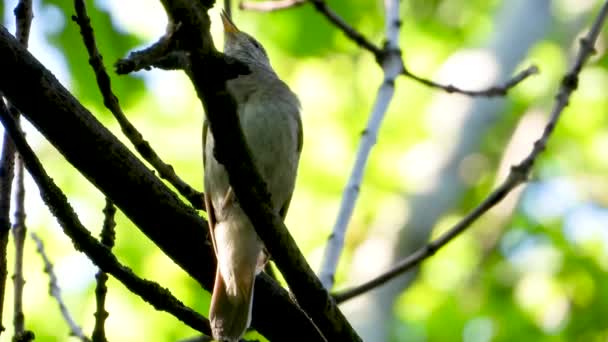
518, 175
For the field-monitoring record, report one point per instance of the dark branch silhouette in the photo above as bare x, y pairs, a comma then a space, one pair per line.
7, 167
323, 8
107, 239
173, 226
493, 91
111, 102
269, 6
209, 70
160, 298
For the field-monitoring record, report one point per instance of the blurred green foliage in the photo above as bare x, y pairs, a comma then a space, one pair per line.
543, 277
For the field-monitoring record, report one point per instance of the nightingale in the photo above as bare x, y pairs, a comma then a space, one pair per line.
269, 114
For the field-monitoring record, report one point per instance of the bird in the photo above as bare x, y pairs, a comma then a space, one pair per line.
269, 114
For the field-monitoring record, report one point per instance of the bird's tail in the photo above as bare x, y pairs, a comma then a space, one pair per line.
232, 298
230, 314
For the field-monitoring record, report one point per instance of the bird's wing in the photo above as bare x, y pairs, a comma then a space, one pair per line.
208, 206
205, 129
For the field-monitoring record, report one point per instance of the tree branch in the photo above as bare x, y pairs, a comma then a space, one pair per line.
160, 298
209, 71
382, 53
270, 6
322, 7
140, 195
23, 17
7, 164
518, 175
19, 234
55, 291
110, 100
493, 91
392, 67
107, 239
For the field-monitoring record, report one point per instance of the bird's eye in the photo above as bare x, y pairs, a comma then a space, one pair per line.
255, 43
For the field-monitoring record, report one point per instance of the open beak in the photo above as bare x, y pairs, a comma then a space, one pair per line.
229, 26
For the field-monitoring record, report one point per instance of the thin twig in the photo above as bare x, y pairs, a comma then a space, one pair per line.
7, 163
150, 56
55, 291
493, 91
160, 298
110, 100
23, 15
381, 53
23, 18
392, 67
107, 239
323, 8
518, 175
269, 6
19, 233
348, 30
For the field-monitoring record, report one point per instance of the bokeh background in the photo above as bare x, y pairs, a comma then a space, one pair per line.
533, 269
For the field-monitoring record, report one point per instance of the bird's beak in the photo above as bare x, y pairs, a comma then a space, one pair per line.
229, 26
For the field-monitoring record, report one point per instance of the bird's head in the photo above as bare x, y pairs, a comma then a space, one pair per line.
243, 47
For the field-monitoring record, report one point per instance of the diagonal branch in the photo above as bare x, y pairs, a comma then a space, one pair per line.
209, 70
159, 297
493, 91
382, 53
110, 100
518, 175
55, 291
322, 7
232, 152
91, 148
392, 67
270, 6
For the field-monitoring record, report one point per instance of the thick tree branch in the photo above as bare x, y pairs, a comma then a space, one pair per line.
518, 175
209, 72
110, 100
392, 67
159, 297
111, 167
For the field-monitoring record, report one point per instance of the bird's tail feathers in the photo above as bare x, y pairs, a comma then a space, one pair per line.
231, 303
